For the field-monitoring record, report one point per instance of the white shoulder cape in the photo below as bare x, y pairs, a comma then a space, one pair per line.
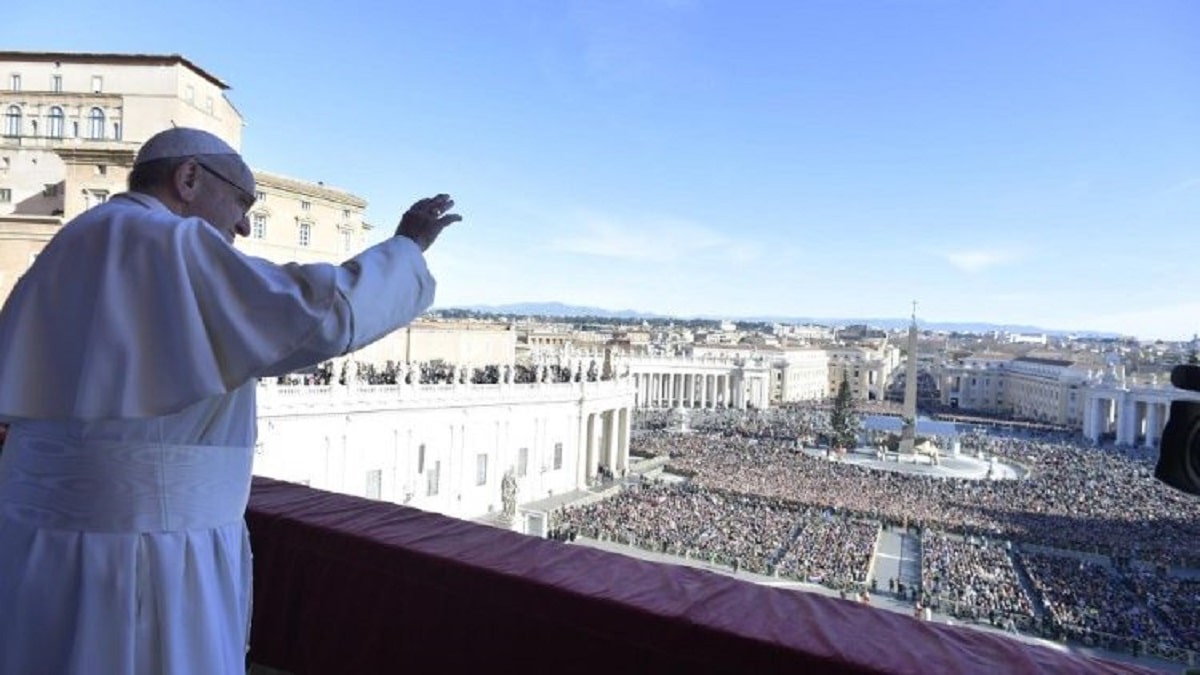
131, 312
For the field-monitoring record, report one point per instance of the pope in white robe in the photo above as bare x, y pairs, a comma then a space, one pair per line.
129, 358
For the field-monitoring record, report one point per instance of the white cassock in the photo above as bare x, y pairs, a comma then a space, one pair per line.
129, 354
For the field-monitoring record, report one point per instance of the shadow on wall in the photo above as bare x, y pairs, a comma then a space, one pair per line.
48, 202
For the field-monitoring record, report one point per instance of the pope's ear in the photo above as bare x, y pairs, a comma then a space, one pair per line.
185, 182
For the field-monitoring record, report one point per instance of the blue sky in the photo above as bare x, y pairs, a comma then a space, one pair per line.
1020, 162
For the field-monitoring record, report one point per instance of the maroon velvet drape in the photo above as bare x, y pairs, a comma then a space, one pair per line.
346, 585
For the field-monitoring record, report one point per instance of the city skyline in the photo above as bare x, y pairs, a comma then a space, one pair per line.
1016, 163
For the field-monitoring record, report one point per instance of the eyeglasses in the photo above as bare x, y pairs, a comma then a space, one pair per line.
248, 198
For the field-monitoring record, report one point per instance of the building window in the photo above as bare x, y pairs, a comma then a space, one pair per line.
347, 241
305, 234
97, 84
481, 469
96, 124
14, 82
190, 93
208, 105
116, 131
431, 485
5, 195
56, 123
56, 84
345, 214
522, 462
306, 206
259, 227
421, 458
557, 456
12, 121
94, 198
260, 196
374, 484
101, 170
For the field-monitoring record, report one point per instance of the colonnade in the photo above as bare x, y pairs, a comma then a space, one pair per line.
700, 388
604, 442
1132, 416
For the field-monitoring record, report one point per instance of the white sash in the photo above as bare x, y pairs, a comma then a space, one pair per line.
110, 486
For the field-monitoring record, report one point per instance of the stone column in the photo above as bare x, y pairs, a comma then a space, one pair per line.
623, 424
595, 437
1126, 421
1153, 424
1090, 412
613, 442
583, 455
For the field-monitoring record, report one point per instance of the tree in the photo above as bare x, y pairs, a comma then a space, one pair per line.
842, 420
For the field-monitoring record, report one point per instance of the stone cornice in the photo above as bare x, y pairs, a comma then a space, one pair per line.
78, 155
103, 58
292, 185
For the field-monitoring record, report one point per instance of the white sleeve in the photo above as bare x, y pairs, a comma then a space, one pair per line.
377, 292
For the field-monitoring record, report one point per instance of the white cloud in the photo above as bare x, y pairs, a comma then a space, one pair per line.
653, 239
979, 260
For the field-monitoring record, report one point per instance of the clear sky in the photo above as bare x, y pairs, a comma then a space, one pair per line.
1033, 162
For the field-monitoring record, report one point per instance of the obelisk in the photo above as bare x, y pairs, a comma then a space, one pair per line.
908, 432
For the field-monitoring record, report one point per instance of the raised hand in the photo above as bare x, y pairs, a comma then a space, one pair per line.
425, 220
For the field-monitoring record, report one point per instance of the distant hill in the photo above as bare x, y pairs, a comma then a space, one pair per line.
563, 310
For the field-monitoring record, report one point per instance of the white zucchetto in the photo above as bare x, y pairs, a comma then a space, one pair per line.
182, 142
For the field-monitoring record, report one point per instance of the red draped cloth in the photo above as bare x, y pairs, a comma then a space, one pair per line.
345, 585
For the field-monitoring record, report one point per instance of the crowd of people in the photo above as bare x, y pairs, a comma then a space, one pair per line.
1076, 497
972, 578
1090, 601
752, 496
742, 531
834, 552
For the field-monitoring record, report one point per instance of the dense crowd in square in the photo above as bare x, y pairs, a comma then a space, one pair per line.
820, 519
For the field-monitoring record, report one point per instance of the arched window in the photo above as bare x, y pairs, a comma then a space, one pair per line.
55, 130
96, 124
12, 121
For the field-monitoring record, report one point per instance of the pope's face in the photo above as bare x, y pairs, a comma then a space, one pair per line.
222, 203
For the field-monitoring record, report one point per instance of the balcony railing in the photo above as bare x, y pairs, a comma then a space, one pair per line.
349, 585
